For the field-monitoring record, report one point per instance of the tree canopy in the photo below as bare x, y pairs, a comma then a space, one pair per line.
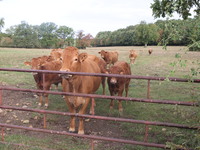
163, 8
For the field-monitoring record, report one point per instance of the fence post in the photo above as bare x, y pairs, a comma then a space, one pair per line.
44, 115
1, 97
2, 134
146, 133
45, 120
148, 90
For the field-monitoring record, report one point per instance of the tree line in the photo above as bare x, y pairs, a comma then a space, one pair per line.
50, 35
162, 32
46, 35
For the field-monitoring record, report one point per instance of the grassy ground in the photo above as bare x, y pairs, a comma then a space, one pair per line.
173, 62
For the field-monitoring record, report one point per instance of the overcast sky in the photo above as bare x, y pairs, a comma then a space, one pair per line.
91, 16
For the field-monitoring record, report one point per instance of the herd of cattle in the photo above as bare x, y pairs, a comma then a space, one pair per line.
71, 60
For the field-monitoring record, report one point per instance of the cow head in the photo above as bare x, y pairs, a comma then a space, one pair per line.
103, 53
114, 70
69, 58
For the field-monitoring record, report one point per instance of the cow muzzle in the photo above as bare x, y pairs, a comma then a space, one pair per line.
113, 81
65, 75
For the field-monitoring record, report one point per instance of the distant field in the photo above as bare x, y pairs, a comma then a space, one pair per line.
173, 62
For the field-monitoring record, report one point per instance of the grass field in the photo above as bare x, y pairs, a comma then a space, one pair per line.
173, 62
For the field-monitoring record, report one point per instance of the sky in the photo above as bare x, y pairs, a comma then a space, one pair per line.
90, 16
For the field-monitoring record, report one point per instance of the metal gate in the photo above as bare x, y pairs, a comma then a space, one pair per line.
92, 137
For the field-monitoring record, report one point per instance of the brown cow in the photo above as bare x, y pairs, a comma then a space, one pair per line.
132, 56
150, 51
56, 53
109, 57
35, 63
49, 79
117, 85
102, 66
43, 64
75, 62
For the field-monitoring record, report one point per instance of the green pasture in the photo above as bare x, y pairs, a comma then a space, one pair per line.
173, 62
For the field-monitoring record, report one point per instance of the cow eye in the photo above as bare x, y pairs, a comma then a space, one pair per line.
76, 59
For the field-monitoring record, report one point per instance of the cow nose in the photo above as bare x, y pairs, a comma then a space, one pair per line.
113, 81
67, 70
66, 76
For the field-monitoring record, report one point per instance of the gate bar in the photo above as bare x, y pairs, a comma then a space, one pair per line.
102, 117
85, 136
105, 97
105, 75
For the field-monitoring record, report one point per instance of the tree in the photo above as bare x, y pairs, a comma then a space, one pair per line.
47, 35
23, 35
83, 40
65, 35
163, 8
146, 33
2, 23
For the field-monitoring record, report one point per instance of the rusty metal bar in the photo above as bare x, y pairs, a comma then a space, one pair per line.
2, 134
148, 89
106, 97
92, 144
146, 133
105, 75
85, 136
1, 91
45, 120
103, 117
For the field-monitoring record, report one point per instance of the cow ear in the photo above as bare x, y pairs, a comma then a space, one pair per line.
27, 63
82, 57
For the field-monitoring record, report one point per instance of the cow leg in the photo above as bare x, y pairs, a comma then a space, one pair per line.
56, 84
47, 88
40, 87
120, 103
127, 88
72, 119
111, 101
40, 100
81, 119
93, 104
103, 84
46, 101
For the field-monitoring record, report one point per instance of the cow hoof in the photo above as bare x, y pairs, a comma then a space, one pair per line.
81, 132
92, 112
72, 130
46, 105
39, 104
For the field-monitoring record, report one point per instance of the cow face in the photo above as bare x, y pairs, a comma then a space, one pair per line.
69, 58
103, 54
114, 70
